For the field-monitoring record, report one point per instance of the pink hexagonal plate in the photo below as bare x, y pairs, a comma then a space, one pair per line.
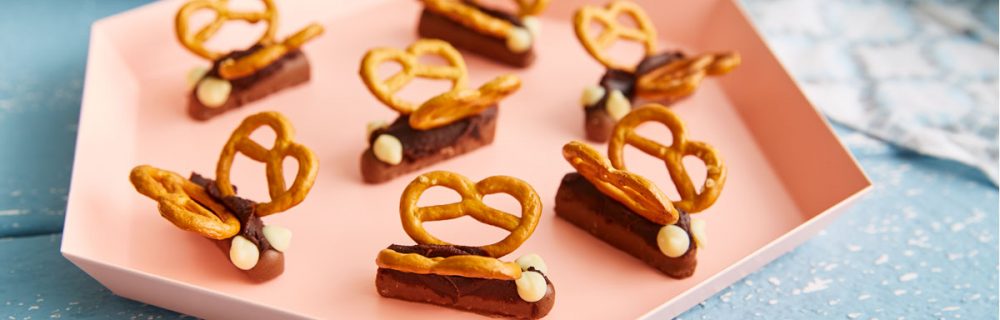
788, 174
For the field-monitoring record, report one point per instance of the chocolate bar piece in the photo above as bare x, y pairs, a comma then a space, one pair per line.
580, 203
271, 263
489, 297
436, 26
290, 70
598, 124
422, 148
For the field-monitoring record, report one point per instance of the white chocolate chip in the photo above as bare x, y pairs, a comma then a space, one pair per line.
519, 40
280, 238
673, 241
213, 92
532, 261
388, 149
617, 105
243, 253
374, 125
698, 232
532, 24
591, 95
531, 286
194, 75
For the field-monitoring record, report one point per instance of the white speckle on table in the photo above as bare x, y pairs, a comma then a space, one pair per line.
772, 302
816, 285
954, 256
864, 296
748, 297
936, 270
853, 248
951, 308
774, 281
908, 253
899, 292
15, 193
882, 259
908, 277
10, 212
854, 315
957, 226
833, 302
796, 292
830, 267
726, 296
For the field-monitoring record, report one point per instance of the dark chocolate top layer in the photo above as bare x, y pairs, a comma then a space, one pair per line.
499, 14
247, 81
251, 226
439, 251
421, 143
625, 81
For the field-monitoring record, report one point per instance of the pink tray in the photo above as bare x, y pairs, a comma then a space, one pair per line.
788, 176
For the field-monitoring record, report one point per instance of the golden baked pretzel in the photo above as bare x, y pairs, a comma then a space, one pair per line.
244, 66
471, 205
184, 203
630, 189
531, 7
273, 159
470, 266
680, 78
470, 17
455, 105
613, 30
692, 201
409, 60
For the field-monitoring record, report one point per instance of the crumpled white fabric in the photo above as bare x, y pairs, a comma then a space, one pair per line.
919, 74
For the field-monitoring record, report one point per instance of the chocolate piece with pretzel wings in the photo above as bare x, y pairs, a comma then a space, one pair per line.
630, 212
242, 76
461, 277
504, 37
665, 77
213, 210
447, 125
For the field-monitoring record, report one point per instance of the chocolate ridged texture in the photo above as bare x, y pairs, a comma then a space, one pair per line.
422, 148
492, 297
271, 263
580, 203
290, 70
598, 124
436, 26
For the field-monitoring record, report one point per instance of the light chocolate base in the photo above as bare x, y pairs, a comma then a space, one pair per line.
454, 139
436, 26
288, 71
491, 297
580, 203
270, 265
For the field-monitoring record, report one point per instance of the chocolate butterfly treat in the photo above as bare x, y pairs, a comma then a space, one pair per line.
664, 77
627, 210
243, 76
508, 38
447, 125
463, 277
213, 210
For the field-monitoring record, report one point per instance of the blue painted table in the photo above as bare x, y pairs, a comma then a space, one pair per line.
922, 244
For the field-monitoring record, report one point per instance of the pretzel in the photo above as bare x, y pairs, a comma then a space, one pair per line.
471, 205
470, 17
240, 142
454, 105
531, 7
184, 203
196, 42
614, 30
680, 78
630, 189
470, 266
247, 65
411, 68
692, 201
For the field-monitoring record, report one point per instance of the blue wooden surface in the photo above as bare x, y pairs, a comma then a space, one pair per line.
922, 244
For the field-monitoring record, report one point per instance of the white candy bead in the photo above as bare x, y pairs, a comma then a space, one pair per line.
374, 125
243, 253
519, 40
698, 232
195, 74
618, 105
531, 286
673, 241
532, 261
280, 238
388, 149
532, 24
592, 95
213, 92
